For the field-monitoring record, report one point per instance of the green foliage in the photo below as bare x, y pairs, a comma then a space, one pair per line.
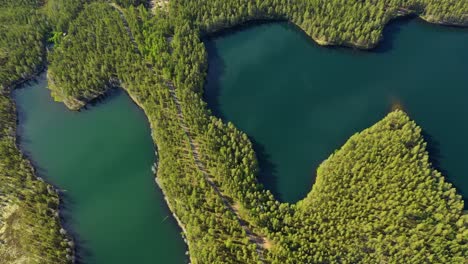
21, 3
152, 34
339, 22
22, 31
56, 37
96, 41
376, 200
30, 229
61, 12
127, 3
169, 52
107, 44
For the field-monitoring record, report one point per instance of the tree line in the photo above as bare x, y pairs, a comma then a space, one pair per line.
375, 200
357, 23
29, 219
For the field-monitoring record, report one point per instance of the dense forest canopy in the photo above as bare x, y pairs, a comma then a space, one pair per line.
354, 23
341, 22
380, 196
168, 43
377, 199
21, 40
30, 230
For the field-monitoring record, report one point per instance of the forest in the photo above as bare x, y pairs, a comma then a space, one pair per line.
377, 199
353, 23
30, 230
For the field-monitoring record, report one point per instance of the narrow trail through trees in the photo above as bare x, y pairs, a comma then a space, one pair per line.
255, 239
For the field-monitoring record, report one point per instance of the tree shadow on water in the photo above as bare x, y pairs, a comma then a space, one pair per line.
217, 65
66, 203
435, 157
105, 98
268, 173
83, 253
391, 31
66, 207
212, 87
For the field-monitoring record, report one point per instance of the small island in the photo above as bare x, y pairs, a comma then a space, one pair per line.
377, 199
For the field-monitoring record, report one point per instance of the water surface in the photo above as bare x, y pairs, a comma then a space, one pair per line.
299, 102
101, 158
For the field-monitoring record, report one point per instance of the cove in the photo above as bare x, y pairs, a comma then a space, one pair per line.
298, 102
101, 158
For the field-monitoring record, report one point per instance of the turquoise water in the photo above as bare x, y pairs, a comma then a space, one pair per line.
101, 158
298, 102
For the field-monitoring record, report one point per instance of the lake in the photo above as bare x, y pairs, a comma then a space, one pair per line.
101, 158
299, 102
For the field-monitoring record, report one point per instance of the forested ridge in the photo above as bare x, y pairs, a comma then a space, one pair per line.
376, 200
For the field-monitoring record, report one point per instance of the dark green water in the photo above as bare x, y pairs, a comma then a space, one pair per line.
102, 158
299, 102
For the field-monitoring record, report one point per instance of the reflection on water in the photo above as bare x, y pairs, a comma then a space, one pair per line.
299, 102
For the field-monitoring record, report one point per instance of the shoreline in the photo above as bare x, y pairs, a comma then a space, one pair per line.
371, 46
134, 100
156, 179
69, 233
215, 34
66, 230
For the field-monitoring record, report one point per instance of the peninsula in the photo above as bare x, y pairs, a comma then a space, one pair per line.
377, 199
